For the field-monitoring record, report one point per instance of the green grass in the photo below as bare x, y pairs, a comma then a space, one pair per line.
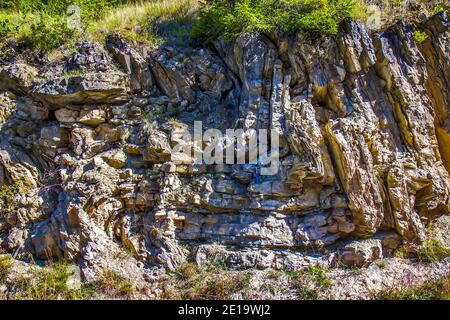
51, 283
5, 267
148, 21
311, 282
429, 251
432, 251
47, 284
111, 284
431, 290
44, 23
8, 193
76, 73
211, 281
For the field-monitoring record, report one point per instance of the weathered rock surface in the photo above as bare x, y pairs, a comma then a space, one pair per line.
364, 161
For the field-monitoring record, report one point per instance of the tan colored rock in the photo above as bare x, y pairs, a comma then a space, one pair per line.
92, 117
66, 115
115, 158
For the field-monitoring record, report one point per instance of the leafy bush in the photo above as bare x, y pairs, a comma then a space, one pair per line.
48, 31
6, 28
232, 18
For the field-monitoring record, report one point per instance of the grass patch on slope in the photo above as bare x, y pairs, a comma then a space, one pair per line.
5, 267
148, 21
47, 284
430, 290
207, 282
44, 23
432, 251
58, 282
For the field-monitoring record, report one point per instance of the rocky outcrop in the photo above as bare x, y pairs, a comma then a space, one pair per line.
363, 123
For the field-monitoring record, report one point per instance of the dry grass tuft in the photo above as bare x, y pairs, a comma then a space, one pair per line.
206, 282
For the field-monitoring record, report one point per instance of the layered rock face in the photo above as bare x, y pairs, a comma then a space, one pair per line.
364, 150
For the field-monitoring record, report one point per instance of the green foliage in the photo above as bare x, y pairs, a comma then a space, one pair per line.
420, 36
44, 22
432, 250
6, 27
89, 8
48, 31
431, 290
8, 193
320, 276
232, 18
5, 267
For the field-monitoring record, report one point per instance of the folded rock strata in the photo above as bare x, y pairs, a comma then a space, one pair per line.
364, 150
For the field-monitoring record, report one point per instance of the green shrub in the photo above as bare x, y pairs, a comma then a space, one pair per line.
154, 114
6, 28
232, 18
48, 31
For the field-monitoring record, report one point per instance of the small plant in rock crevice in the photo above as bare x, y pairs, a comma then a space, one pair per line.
420, 36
